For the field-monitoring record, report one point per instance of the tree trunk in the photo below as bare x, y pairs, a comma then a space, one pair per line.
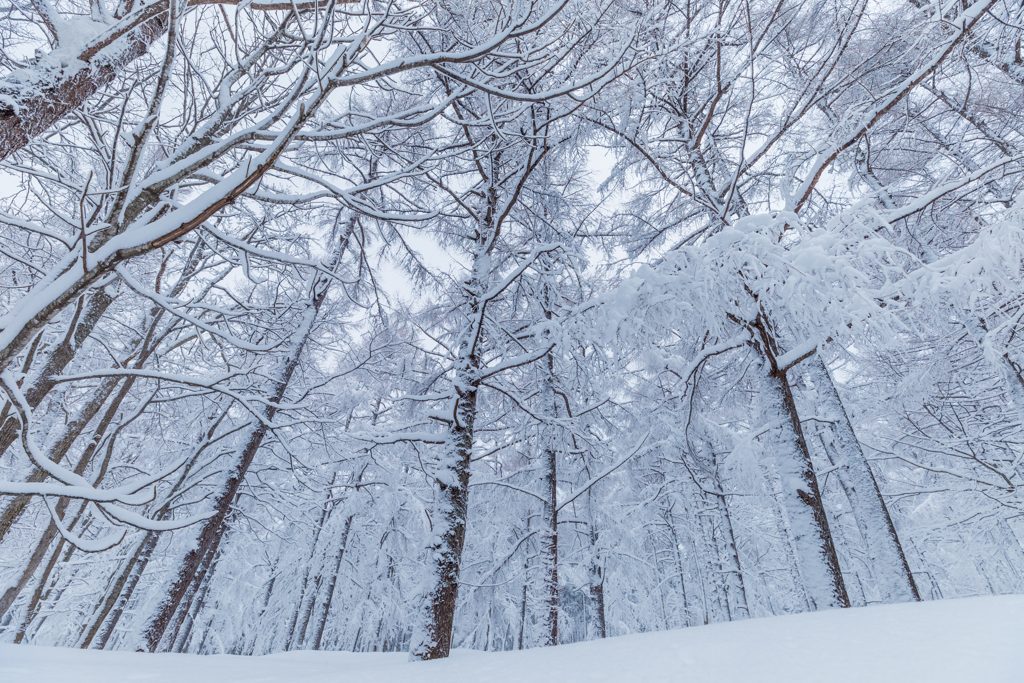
120, 593
549, 516
432, 635
888, 561
122, 590
198, 561
595, 574
732, 573
680, 567
328, 598
40, 594
816, 554
304, 593
60, 448
714, 566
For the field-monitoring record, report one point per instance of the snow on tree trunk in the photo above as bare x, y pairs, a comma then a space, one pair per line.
432, 634
304, 606
808, 524
432, 638
332, 581
549, 515
82, 325
120, 594
736, 592
1004, 364
198, 561
889, 565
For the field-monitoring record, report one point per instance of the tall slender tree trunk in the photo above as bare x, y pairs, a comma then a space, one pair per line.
123, 588
732, 572
70, 432
120, 594
305, 594
816, 553
432, 634
44, 580
83, 321
888, 561
82, 325
549, 515
57, 453
595, 576
198, 561
332, 582
680, 565
243, 648
714, 567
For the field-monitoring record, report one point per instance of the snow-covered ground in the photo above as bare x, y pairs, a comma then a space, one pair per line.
975, 640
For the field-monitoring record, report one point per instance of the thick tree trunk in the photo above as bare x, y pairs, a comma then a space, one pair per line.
433, 638
432, 634
54, 92
816, 554
888, 561
70, 88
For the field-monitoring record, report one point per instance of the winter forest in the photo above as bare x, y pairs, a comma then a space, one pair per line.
412, 325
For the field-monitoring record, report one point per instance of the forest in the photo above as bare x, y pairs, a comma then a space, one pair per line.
412, 325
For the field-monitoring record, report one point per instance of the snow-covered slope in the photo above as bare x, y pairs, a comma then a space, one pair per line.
972, 640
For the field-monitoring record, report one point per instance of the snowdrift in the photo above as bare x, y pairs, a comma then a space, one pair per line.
969, 640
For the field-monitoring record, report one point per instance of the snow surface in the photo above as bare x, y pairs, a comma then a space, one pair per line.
968, 640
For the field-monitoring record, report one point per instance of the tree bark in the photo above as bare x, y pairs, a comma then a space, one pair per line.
816, 554
595, 575
549, 516
38, 96
198, 561
325, 607
432, 634
885, 552
304, 593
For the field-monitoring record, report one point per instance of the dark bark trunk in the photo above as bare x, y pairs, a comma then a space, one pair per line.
816, 553
885, 552
198, 561
549, 515
328, 598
